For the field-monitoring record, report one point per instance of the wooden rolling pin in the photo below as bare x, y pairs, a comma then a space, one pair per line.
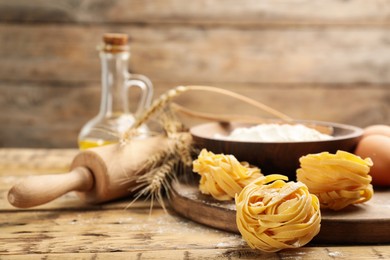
98, 174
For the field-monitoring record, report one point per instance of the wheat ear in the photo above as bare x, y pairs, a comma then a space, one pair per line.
154, 182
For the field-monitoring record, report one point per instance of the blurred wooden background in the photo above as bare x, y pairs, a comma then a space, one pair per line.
311, 59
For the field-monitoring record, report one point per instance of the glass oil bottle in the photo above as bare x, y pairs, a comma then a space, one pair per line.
114, 116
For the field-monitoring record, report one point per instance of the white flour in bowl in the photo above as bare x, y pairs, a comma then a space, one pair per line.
275, 133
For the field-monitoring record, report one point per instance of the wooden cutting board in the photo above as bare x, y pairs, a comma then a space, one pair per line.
367, 223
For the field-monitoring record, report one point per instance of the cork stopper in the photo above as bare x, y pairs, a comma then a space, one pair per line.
115, 38
115, 42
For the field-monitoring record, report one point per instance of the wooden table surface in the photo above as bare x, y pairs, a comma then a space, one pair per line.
70, 229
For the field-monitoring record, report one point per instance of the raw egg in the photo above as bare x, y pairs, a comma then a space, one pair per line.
377, 147
377, 130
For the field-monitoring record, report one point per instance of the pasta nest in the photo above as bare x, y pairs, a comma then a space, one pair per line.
338, 180
223, 176
277, 215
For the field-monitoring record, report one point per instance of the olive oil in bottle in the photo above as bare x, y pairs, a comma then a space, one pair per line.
114, 116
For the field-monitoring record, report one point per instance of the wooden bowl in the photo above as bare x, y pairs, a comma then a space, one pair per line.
274, 157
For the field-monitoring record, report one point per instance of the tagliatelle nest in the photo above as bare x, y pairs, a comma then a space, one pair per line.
273, 214
338, 180
223, 176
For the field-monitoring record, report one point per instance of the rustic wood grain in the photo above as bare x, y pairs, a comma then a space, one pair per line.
111, 232
327, 65
97, 231
328, 252
248, 12
229, 55
38, 161
69, 229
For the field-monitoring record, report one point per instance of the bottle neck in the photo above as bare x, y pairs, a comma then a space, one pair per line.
114, 74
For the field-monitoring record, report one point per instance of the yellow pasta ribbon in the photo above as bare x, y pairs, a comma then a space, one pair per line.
223, 176
338, 180
278, 215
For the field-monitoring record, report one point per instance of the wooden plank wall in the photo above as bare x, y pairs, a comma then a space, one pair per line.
311, 59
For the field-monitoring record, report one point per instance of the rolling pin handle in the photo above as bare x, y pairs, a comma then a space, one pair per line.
37, 190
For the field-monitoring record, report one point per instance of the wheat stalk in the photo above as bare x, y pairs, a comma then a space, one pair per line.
167, 97
218, 117
183, 147
161, 168
153, 183
244, 99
